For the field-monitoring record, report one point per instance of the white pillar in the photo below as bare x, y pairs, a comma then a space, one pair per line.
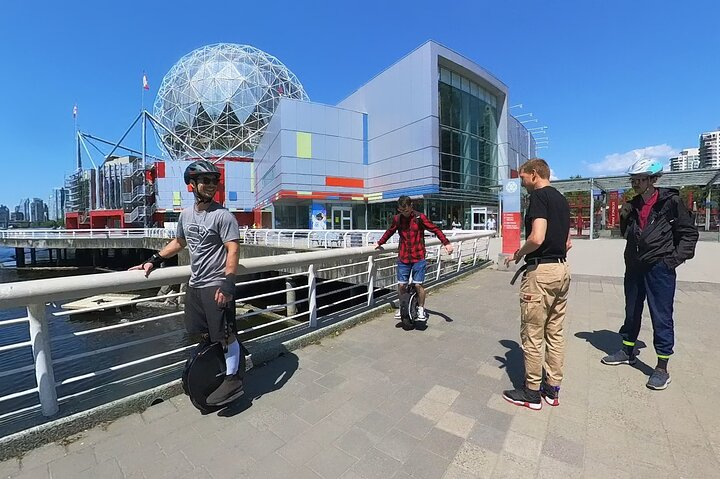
43, 361
312, 297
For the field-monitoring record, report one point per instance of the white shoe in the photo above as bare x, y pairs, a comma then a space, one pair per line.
398, 315
421, 315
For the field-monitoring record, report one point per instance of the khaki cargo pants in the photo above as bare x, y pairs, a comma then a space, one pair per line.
543, 301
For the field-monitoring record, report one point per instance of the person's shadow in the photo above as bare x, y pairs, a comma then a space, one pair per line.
423, 325
444, 316
609, 341
261, 380
513, 363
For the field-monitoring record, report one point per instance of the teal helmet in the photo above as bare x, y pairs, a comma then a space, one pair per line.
646, 166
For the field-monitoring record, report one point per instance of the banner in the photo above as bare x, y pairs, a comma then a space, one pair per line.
511, 219
613, 209
318, 217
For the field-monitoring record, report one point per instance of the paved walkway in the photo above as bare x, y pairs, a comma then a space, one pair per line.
380, 402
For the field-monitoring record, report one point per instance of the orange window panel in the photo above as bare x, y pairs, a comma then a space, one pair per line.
346, 182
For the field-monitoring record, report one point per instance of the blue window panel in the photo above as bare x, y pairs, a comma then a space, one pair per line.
232, 195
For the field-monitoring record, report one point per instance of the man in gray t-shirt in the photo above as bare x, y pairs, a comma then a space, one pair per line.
211, 234
205, 233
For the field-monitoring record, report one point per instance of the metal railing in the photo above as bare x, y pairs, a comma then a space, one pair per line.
298, 238
315, 288
76, 234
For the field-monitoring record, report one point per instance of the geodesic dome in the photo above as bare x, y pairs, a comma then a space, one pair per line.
220, 98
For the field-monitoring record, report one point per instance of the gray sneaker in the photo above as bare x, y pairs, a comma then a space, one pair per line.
659, 379
618, 357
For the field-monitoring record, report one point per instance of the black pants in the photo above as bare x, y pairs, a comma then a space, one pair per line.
657, 284
203, 315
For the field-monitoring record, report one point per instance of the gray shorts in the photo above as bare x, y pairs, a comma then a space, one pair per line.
203, 315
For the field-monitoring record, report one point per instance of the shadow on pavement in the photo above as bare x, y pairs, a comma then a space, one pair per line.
513, 362
444, 316
262, 380
609, 341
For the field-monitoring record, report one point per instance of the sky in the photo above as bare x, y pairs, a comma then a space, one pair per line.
613, 80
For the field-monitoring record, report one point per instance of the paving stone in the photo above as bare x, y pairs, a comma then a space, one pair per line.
442, 395
398, 444
564, 450
109, 469
456, 424
522, 446
69, 465
509, 466
423, 464
9, 467
475, 459
376, 424
414, 425
376, 465
331, 463
442, 443
42, 456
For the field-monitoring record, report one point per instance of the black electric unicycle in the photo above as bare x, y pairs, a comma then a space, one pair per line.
409, 306
205, 371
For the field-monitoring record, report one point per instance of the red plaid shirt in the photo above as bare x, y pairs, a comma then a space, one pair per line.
412, 236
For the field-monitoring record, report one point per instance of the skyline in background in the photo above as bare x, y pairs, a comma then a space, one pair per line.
611, 81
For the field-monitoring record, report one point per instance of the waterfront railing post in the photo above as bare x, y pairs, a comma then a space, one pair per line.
372, 272
312, 296
39, 335
439, 263
459, 256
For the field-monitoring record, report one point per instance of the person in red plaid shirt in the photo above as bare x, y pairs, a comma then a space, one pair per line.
410, 226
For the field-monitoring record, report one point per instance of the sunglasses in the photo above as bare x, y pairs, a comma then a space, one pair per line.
207, 180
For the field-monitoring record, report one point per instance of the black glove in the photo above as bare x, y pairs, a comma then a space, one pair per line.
228, 285
156, 260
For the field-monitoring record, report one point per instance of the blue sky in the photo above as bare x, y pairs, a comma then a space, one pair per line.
610, 78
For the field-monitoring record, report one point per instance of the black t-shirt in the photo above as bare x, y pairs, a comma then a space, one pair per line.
549, 203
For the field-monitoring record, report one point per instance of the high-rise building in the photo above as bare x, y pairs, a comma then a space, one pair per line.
4, 216
688, 159
710, 149
24, 209
56, 207
38, 211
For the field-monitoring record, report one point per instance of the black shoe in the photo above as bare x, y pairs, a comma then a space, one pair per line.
230, 389
551, 394
524, 397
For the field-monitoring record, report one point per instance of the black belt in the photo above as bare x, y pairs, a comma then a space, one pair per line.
544, 260
534, 262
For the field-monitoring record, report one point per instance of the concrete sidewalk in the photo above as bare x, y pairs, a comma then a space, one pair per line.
380, 402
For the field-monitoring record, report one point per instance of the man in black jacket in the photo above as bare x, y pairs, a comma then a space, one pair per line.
660, 236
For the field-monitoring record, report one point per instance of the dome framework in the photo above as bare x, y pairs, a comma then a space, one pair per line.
219, 98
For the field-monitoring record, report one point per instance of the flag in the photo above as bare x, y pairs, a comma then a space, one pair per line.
146, 85
75, 111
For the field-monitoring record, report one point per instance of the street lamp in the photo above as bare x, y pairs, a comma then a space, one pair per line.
519, 105
524, 114
529, 121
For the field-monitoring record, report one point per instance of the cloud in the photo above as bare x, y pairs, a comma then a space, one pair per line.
620, 162
553, 177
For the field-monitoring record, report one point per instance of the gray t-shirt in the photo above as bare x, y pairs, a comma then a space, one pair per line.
206, 233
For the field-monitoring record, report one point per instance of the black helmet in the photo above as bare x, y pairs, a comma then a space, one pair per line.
200, 167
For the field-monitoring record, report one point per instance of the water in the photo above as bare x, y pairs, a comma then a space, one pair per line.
172, 332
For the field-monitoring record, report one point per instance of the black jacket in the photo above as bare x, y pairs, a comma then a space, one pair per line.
670, 234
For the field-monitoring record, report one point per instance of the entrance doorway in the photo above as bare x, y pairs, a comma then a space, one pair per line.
342, 218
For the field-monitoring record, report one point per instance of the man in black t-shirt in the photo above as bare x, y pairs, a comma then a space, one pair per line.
544, 288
